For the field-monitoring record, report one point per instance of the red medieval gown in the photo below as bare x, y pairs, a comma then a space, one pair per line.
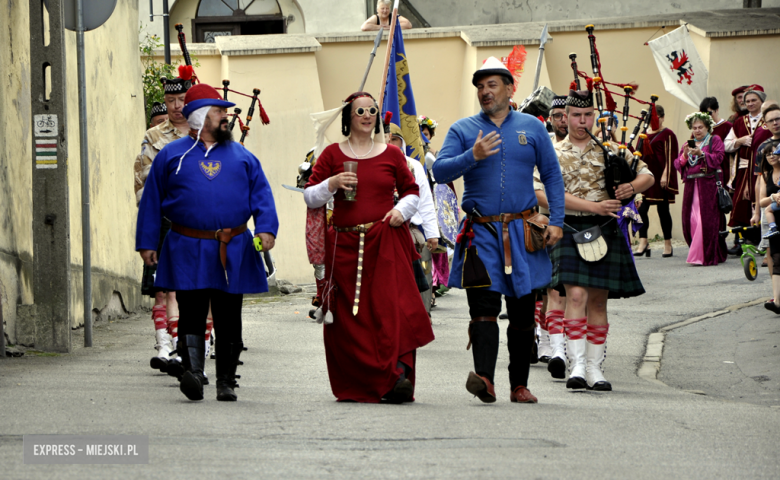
363, 350
745, 178
664, 145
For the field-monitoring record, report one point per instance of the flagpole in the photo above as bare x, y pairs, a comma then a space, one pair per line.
377, 41
387, 55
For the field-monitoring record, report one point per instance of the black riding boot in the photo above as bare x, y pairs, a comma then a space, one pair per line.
227, 361
484, 347
192, 351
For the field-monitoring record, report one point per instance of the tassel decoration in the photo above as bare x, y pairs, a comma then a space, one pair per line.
263, 116
186, 72
655, 124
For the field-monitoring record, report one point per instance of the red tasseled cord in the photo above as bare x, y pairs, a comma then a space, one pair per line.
655, 124
263, 116
589, 83
611, 105
388, 118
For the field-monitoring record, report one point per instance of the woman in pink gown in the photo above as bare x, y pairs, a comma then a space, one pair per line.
699, 167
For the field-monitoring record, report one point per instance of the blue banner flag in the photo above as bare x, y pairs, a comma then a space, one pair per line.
399, 98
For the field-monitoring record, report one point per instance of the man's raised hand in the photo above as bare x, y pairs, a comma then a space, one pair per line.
486, 146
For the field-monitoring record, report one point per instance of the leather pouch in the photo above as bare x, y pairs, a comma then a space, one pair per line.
535, 230
591, 245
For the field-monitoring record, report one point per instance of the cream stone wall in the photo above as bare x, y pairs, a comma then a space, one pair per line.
16, 268
115, 123
113, 71
281, 146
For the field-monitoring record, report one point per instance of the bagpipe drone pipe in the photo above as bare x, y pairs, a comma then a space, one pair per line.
621, 167
255, 100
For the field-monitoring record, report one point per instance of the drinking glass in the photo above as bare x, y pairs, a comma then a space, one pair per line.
351, 167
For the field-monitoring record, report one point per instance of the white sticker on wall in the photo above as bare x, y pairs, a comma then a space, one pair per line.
45, 125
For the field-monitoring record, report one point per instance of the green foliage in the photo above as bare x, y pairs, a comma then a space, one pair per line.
154, 70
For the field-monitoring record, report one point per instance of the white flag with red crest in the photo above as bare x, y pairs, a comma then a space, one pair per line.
681, 67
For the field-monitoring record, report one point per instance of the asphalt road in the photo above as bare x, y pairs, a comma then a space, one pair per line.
286, 423
734, 357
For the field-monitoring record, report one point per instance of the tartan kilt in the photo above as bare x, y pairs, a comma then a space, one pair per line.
147, 277
615, 272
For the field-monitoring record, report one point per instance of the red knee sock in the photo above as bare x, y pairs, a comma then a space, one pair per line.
173, 326
209, 326
576, 328
554, 321
597, 334
158, 315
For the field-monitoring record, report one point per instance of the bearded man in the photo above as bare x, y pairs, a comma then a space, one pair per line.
209, 187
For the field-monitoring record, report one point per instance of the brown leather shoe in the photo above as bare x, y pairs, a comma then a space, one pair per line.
481, 388
522, 395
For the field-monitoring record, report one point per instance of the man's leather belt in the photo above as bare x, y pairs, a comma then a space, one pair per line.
700, 175
223, 236
506, 218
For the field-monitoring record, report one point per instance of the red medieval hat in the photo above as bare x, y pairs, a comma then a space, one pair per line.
739, 90
202, 95
755, 88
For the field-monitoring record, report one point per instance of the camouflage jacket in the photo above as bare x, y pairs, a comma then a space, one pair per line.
154, 141
583, 171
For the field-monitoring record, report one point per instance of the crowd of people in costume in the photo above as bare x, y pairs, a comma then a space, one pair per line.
541, 231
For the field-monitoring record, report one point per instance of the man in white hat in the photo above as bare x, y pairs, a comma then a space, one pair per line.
495, 152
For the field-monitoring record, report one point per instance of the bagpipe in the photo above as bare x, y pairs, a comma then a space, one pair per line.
618, 169
244, 125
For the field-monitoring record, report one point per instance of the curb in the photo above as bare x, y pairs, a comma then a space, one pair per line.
651, 362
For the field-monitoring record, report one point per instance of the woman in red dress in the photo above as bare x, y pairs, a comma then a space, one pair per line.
378, 318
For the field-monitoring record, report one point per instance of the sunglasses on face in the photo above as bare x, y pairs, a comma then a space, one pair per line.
360, 111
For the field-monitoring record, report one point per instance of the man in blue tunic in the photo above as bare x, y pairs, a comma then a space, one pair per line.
209, 187
495, 152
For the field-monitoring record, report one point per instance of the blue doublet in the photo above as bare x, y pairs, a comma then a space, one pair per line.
503, 183
221, 188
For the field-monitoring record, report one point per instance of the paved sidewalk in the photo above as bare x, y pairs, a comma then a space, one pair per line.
286, 423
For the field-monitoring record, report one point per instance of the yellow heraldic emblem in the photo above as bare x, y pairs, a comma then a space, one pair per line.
210, 168
408, 123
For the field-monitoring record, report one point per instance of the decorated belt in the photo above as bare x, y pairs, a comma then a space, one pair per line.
357, 228
700, 175
223, 236
361, 229
505, 219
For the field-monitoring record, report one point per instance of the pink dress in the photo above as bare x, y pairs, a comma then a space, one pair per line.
700, 215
